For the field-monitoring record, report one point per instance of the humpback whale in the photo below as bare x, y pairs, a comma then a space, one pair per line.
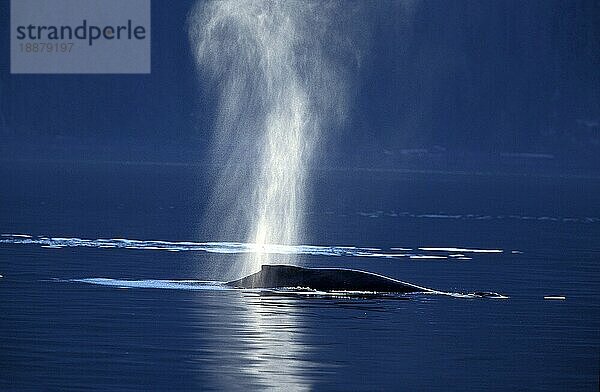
324, 279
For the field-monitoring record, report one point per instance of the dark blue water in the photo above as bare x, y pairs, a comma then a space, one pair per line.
59, 334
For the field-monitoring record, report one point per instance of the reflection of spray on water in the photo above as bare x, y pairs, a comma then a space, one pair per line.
279, 69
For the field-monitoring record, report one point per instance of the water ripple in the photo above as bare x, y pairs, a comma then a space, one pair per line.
557, 219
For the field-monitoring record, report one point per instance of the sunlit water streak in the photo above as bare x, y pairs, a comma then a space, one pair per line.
433, 253
276, 66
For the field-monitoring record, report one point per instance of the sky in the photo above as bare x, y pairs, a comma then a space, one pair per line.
451, 78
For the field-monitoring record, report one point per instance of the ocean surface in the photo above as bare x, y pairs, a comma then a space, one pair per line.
107, 284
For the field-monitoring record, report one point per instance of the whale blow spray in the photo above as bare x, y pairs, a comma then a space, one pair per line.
279, 69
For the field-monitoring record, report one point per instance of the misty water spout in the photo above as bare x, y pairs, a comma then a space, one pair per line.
273, 64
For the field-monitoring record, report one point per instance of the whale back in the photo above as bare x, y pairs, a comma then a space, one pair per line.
322, 279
